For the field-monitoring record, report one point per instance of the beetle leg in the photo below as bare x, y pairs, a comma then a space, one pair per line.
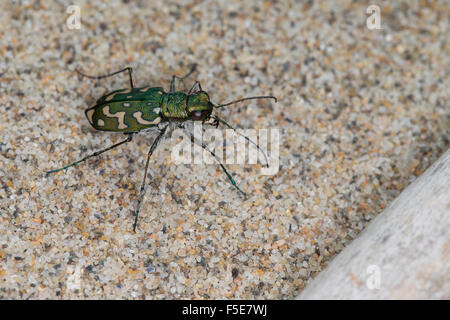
97, 153
196, 84
218, 120
129, 69
174, 77
141, 192
221, 164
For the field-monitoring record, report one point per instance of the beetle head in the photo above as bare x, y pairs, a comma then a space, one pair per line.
198, 106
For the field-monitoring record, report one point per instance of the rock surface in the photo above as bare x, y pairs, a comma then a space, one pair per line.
403, 254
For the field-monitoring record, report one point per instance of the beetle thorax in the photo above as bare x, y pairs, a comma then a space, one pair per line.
173, 105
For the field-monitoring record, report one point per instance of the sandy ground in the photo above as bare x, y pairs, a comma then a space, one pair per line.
361, 114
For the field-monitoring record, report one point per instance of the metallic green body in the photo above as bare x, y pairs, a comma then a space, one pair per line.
132, 110
127, 110
199, 101
173, 105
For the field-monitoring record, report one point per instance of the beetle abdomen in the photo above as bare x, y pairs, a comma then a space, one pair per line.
127, 110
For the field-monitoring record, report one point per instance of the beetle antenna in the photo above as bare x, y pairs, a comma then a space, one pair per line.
243, 99
246, 138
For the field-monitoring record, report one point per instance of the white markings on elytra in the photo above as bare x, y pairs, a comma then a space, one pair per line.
126, 104
89, 115
112, 95
100, 122
144, 89
119, 115
138, 116
157, 110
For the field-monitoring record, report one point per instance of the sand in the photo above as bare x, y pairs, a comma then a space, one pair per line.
361, 114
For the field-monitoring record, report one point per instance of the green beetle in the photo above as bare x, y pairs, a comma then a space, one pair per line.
132, 110
136, 109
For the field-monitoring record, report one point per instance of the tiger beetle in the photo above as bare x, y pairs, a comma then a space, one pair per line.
132, 110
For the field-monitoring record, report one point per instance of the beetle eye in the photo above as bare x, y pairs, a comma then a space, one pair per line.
198, 115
